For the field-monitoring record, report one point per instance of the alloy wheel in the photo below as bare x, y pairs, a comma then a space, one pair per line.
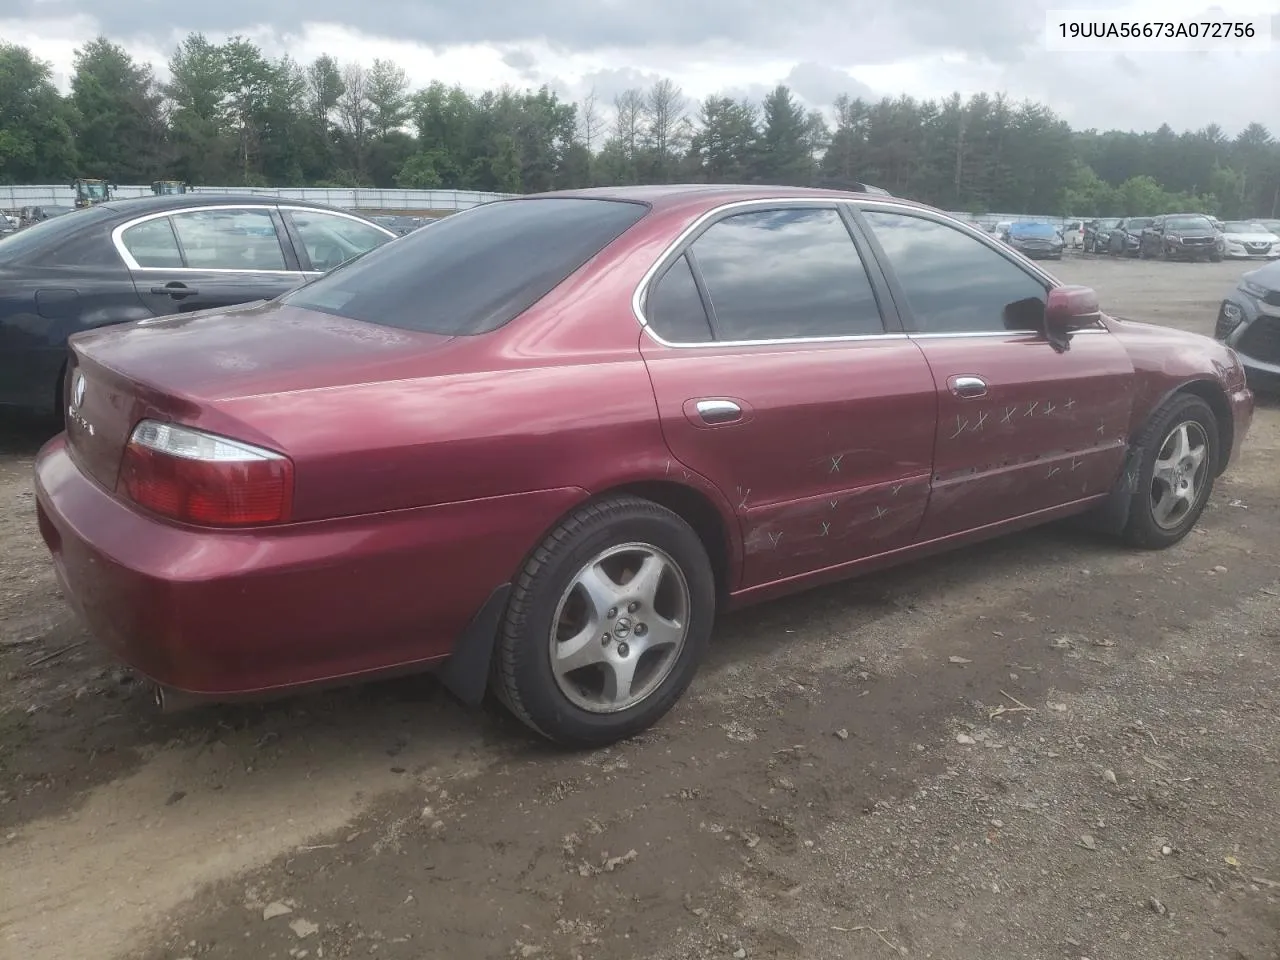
1178, 480
620, 627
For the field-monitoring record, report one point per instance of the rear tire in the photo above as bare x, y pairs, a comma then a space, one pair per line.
623, 588
1176, 475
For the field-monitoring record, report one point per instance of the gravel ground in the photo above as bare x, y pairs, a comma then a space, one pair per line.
1042, 747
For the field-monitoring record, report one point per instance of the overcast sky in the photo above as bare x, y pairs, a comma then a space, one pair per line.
820, 48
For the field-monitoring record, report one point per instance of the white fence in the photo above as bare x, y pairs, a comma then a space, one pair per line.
11, 198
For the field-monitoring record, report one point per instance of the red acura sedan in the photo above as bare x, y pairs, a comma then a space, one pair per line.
537, 447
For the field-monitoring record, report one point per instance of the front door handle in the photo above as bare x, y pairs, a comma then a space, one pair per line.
175, 289
718, 411
968, 386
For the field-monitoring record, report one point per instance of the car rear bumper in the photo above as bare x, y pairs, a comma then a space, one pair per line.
234, 613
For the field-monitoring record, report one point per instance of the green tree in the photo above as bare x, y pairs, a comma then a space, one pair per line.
36, 144
118, 126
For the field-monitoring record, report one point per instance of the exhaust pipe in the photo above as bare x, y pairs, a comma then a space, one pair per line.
168, 700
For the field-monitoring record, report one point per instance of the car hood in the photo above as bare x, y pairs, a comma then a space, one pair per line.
1268, 276
1252, 237
1187, 234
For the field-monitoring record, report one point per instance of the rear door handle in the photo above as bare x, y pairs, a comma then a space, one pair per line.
175, 289
968, 386
718, 411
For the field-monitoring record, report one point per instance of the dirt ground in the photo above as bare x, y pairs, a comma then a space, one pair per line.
1043, 747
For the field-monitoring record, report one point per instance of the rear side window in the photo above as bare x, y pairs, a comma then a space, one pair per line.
675, 308
472, 272
785, 274
152, 244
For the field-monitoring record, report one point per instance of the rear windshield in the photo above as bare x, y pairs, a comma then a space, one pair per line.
1045, 230
474, 271
47, 233
1188, 223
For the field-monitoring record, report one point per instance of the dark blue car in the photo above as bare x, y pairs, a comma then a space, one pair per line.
1035, 239
128, 260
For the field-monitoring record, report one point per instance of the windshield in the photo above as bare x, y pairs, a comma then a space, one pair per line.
1244, 226
47, 233
1039, 230
474, 271
94, 189
1188, 223
1138, 223
1108, 224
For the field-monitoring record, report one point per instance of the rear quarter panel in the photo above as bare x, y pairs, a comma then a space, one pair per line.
558, 398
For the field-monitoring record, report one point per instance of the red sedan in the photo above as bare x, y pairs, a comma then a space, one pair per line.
538, 446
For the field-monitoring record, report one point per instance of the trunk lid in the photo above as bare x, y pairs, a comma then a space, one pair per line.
183, 367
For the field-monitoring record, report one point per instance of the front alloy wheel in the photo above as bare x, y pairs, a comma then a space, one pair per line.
1179, 475
1174, 478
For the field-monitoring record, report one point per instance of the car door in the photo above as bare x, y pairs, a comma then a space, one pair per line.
206, 257
326, 239
778, 380
1022, 427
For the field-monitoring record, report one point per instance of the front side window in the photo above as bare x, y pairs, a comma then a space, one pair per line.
954, 283
230, 239
784, 274
331, 240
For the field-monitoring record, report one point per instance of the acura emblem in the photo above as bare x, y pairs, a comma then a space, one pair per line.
77, 392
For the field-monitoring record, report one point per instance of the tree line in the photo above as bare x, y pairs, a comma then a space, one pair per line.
229, 115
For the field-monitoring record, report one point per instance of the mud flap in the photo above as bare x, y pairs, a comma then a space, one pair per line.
1112, 515
466, 672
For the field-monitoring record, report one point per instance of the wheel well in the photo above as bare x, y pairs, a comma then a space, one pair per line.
1213, 394
697, 511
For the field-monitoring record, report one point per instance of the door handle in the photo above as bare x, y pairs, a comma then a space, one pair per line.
175, 289
718, 411
968, 386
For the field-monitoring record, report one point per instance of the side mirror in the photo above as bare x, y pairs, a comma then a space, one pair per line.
1070, 308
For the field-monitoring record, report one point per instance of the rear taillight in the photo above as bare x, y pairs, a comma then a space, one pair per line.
199, 478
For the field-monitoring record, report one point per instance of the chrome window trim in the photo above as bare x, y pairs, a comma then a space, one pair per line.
889, 205
719, 212
117, 237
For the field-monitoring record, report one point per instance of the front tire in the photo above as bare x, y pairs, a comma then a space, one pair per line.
607, 623
1176, 475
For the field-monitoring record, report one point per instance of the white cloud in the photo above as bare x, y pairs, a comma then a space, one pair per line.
818, 47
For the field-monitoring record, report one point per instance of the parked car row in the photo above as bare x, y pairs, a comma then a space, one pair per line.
1183, 236
537, 447
402, 225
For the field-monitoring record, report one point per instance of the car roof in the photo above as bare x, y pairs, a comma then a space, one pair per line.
711, 195
182, 201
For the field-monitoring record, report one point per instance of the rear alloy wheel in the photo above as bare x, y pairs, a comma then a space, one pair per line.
1176, 475
607, 623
